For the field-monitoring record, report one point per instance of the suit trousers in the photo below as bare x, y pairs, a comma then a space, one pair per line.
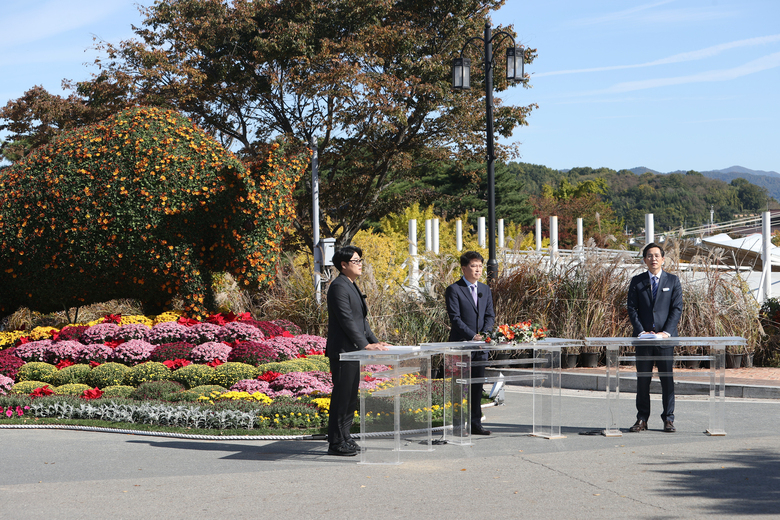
476, 388
344, 399
644, 369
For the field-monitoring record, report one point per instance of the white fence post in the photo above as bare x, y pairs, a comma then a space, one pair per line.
459, 235
538, 234
766, 257
481, 232
436, 236
649, 229
414, 264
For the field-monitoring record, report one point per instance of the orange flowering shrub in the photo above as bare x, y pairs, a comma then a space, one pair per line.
143, 205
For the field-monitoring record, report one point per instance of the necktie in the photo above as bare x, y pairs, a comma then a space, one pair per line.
654, 280
474, 294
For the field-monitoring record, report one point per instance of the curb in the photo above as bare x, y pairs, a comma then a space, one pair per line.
598, 383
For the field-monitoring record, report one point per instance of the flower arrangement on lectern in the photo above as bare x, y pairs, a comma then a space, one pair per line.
521, 332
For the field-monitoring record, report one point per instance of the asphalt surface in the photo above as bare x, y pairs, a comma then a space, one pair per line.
60, 474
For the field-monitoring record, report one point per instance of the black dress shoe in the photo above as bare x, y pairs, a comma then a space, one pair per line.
342, 450
638, 426
352, 443
477, 429
669, 427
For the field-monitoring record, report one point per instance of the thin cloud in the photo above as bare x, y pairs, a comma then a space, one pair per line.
700, 54
767, 62
619, 15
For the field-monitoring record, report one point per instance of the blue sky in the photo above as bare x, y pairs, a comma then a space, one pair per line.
667, 84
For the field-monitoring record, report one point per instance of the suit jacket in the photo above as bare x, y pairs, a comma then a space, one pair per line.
664, 314
348, 328
466, 319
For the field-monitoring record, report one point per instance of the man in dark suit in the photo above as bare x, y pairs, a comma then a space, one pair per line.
348, 331
470, 308
655, 304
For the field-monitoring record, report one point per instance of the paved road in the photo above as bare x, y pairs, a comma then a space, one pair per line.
650, 475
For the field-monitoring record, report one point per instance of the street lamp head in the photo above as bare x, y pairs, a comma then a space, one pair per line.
514, 64
461, 72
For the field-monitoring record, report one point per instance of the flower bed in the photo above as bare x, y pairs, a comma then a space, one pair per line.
110, 368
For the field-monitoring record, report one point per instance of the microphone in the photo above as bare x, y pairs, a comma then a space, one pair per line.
479, 295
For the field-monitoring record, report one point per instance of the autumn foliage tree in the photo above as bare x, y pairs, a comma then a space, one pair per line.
368, 82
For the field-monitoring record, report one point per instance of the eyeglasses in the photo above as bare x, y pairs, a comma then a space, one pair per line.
359, 261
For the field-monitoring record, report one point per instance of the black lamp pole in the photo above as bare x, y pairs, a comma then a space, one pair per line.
461, 81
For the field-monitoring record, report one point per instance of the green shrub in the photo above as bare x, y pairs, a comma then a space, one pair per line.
27, 387
128, 199
231, 373
193, 375
149, 371
107, 374
72, 374
118, 391
307, 364
71, 389
37, 371
199, 391
158, 390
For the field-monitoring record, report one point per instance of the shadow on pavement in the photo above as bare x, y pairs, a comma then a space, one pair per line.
752, 488
291, 450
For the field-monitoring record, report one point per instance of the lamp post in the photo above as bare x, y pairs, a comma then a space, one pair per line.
461, 70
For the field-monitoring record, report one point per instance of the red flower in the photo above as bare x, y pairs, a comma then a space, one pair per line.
216, 319
94, 364
269, 376
187, 322
176, 363
114, 344
214, 363
368, 379
286, 334
244, 316
92, 393
55, 336
64, 363
22, 340
112, 318
42, 391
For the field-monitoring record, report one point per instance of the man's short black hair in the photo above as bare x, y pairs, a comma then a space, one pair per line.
650, 246
345, 254
468, 256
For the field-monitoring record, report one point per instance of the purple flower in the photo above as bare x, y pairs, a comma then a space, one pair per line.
286, 348
237, 331
132, 331
35, 351
98, 352
202, 333
251, 386
64, 350
6, 383
310, 343
167, 332
133, 352
303, 383
208, 352
99, 333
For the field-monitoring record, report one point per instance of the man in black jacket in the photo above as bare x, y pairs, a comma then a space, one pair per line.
470, 308
655, 304
348, 331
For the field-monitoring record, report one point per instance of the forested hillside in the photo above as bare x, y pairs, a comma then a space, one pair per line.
675, 199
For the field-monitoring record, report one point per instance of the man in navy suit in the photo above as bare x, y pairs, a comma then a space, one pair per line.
470, 308
655, 304
348, 331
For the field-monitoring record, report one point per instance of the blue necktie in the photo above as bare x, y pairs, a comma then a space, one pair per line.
474, 294
654, 280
